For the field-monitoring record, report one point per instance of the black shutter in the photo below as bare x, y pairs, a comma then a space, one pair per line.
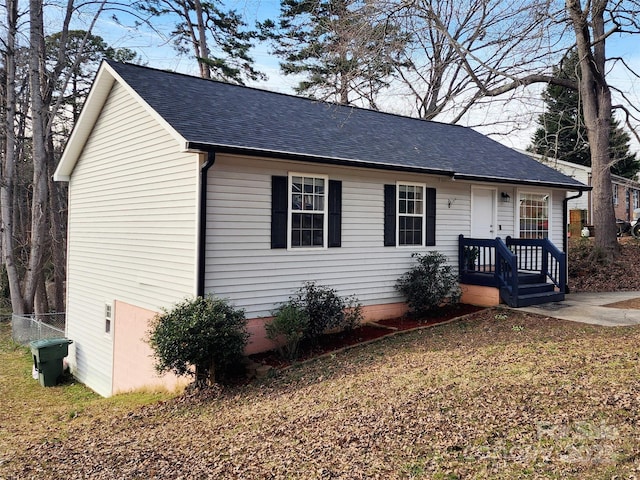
431, 216
279, 197
335, 213
389, 215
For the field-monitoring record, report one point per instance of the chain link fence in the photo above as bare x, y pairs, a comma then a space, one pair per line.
27, 328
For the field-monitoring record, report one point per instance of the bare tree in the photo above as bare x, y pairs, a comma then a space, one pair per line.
32, 210
460, 48
7, 183
508, 45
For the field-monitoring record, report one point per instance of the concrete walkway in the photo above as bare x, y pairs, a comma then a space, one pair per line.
590, 308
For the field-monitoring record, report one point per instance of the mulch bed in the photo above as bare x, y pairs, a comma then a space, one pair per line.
364, 333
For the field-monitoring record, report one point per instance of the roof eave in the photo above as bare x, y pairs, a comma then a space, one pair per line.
84, 125
200, 146
516, 181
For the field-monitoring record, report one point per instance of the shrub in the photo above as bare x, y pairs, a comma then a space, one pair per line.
289, 324
429, 283
205, 333
325, 309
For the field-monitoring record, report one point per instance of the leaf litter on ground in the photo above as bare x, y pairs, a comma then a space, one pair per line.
474, 398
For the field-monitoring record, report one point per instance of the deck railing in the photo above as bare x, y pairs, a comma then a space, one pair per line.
540, 255
494, 262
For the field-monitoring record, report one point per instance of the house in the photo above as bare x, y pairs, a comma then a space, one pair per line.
180, 186
625, 192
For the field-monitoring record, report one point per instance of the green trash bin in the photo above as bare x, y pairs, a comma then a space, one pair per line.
47, 359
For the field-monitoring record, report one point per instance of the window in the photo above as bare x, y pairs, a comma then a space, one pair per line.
410, 214
306, 211
615, 194
108, 318
636, 199
534, 215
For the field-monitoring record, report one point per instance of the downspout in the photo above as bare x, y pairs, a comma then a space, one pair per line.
202, 230
565, 235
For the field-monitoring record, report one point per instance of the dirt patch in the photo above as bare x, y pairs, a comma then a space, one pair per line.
632, 303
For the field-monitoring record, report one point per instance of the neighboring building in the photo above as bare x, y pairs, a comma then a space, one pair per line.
180, 186
625, 192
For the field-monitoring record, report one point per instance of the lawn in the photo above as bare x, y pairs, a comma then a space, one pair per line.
497, 394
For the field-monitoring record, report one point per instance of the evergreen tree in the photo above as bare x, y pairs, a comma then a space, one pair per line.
562, 133
218, 39
342, 50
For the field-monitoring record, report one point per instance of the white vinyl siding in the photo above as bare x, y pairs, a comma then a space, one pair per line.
506, 212
132, 228
555, 218
241, 266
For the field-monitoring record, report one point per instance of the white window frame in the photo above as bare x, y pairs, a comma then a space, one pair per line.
636, 199
549, 218
108, 318
324, 212
422, 186
615, 194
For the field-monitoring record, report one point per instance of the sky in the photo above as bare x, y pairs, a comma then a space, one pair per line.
519, 116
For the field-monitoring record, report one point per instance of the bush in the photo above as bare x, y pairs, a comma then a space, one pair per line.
429, 283
326, 310
206, 333
290, 325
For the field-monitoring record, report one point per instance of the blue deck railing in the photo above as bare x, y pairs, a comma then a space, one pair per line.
498, 263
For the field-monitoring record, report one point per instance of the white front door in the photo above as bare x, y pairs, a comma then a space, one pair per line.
483, 212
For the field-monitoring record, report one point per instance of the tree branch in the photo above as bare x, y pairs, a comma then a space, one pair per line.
530, 80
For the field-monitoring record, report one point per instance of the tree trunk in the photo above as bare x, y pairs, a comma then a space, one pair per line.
41, 303
596, 103
202, 48
39, 203
205, 376
58, 243
7, 185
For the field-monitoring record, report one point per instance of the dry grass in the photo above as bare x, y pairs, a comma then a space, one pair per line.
500, 394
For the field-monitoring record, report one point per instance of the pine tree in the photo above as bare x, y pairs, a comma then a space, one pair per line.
340, 49
563, 135
218, 40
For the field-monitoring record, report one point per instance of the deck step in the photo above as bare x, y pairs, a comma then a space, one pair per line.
530, 288
537, 299
527, 278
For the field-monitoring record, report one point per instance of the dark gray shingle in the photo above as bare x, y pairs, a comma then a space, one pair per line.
217, 114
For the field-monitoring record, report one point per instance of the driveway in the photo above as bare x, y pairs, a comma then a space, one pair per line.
592, 308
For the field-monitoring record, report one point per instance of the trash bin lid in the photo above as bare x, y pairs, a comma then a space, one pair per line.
49, 342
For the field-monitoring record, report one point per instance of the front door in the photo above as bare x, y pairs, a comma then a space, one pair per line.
483, 212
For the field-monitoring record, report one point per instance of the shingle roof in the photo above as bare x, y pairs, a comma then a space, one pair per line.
222, 116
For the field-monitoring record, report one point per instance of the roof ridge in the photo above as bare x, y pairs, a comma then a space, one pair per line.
288, 95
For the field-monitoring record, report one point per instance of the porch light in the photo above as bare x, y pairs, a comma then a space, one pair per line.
506, 198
